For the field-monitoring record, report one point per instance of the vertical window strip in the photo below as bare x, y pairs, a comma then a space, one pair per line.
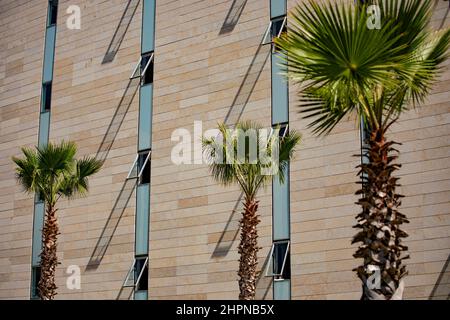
43, 137
142, 217
280, 117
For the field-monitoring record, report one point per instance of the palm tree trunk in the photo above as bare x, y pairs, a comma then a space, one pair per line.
248, 250
49, 260
380, 236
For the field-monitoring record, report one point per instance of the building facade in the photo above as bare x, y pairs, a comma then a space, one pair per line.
122, 84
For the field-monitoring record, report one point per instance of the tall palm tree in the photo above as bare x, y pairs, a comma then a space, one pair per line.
228, 166
344, 67
53, 172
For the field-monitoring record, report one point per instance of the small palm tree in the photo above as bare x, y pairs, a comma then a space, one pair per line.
232, 160
53, 172
345, 66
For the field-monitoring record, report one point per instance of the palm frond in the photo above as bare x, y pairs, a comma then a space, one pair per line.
76, 183
52, 171
27, 172
246, 155
344, 68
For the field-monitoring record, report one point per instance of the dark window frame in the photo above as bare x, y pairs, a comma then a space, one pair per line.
147, 67
47, 88
279, 262
52, 13
35, 277
141, 273
144, 166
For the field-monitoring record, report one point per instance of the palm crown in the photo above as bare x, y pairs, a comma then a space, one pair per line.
345, 67
52, 171
250, 175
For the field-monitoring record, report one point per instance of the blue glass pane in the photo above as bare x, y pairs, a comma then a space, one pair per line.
282, 290
280, 203
49, 53
277, 8
44, 128
148, 26
38, 223
141, 295
280, 93
145, 117
142, 218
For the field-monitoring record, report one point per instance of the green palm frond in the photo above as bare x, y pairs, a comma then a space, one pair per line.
27, 172
76, 183
251, 170
288, 146
344, 68
56, 158
52, 171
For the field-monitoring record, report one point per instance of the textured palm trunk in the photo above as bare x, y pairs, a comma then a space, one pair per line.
380, 235
49, 261
248, 250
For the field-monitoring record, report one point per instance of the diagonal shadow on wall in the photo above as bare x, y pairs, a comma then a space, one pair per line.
263, 283
233, 16
111, 225
441, 289
129, 184
248, 84
229, 233
121, 30
231, 230
117, 119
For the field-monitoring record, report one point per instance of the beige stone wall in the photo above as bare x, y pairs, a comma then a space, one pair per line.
200, 73
21, 54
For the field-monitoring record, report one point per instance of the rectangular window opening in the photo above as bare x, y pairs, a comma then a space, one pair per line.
279, 265
141, 274
144, 167
35, 278
274, 30
147, 67
284, 130
52, 12
40, 197
46, 96
144, 69
141, 168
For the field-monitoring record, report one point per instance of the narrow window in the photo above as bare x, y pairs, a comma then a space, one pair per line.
40, 197
141, 273
279, 261
141, 168
52, 12
144, 167
278, 27
144, 69
274, 30
284, 130
35, 278
46, 96
147, 69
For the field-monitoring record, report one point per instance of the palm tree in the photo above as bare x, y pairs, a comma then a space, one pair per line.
344, 68
232, 160
53, 172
